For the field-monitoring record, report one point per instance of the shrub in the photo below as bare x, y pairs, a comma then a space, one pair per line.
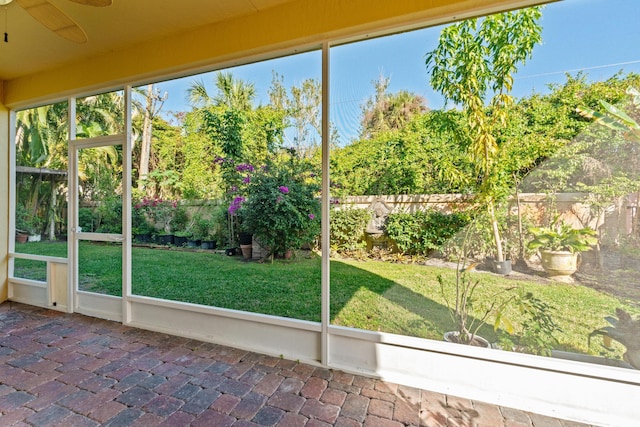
180, 219
139, 222
422, 232
281, 209
109, 216
86, 220
347, 229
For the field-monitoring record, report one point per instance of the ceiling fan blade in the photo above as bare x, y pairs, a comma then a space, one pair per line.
53, 18
97, 3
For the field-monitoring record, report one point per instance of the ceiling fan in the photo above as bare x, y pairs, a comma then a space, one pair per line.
54, 19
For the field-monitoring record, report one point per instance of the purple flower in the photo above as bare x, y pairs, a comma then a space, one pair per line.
283, 189
279, 199
234, 189
235, 205
218, 160
312, 217
244, 167
246, 179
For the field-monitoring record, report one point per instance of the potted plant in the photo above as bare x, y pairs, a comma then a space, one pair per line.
201, 233
282, 210
181, 226
467, 312
23, 223
626, 330
559, 246
246, 244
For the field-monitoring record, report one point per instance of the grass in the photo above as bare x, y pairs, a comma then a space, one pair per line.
371, 295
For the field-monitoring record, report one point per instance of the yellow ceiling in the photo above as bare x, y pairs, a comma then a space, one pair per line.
134, 40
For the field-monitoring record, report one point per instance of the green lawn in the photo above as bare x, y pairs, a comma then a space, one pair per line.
371, 295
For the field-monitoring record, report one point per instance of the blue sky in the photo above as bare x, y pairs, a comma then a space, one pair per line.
599, 37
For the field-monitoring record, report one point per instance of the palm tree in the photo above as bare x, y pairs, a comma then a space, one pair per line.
232, 93
389, 111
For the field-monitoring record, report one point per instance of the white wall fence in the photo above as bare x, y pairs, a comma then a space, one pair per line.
617, 219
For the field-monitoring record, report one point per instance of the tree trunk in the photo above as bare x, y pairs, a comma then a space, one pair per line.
496, 232
145, 144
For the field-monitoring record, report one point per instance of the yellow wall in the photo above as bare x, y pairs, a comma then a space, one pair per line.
290, 27
4, 196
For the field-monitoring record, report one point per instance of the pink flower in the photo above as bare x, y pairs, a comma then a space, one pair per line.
312, 217
283, 189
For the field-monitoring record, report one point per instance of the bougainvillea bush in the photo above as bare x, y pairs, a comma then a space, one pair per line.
282, 208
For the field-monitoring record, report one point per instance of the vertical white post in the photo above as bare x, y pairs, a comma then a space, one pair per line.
12, 191
72, 210
126, 209
326, 203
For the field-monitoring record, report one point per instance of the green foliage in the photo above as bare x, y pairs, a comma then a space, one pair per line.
180, 218
617, 119
389, 111
202, 228
422, 158
160, 212
347, 228
109, 213
537, 325
25, 221
579, 154
282, 210
560, 236
472, 60
422, 232
624, 329
86, 219
139, 221
475, 58
468, 312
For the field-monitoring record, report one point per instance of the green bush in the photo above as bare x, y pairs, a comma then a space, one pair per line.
86, 219
180, 219
139, 222
281, 209
347, 229
421, 232
110, 216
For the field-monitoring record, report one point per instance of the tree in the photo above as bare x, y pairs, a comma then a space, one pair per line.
153, 102
231, 92
389, 111
302, 109
473, 60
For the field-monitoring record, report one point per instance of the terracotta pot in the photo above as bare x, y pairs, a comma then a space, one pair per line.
21, 237
247, 251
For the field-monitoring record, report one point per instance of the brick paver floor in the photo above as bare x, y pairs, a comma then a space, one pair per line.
71, 370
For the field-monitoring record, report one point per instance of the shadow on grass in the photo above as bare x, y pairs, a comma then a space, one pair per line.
286, 288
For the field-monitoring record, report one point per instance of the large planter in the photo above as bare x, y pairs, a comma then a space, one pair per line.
180, 240
208, 244
559, 264
246, 251
143, 237
21, 237
193, 243
34, 238
164, 239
